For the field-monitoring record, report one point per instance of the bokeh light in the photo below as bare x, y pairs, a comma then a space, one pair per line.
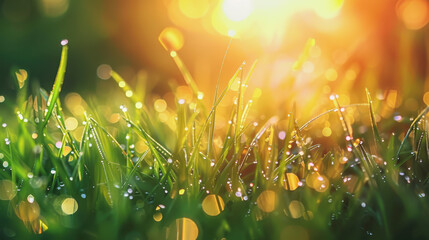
183, 229
267, 201
69, 206
27, 211
291, 181
160, 105
157, 216
213, 205
171, 39
54, 8
414, 13
71, 123
296, 209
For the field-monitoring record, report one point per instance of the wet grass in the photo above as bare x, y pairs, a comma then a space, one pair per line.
70, 174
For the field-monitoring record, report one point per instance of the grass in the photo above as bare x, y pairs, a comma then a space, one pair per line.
145, 175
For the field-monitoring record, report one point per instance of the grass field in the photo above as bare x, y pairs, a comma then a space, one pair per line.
129, 166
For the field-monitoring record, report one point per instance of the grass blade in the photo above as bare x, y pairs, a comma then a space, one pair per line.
59, 79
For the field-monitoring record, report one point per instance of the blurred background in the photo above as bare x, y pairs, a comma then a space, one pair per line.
306, 50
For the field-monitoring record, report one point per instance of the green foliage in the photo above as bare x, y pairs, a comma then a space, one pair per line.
350, 191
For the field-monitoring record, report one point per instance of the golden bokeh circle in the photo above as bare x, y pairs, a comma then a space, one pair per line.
291, 182
213, 205
69, 206
267, 201
296, 209
183, 229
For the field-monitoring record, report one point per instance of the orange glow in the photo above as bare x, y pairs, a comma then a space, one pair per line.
426, 98
171, 39
414, 13
194, 8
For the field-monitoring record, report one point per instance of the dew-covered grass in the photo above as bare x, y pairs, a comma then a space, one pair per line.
145, 168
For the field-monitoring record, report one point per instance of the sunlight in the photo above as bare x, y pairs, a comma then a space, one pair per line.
237, 10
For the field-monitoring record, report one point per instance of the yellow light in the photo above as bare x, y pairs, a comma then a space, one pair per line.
171, 39
129, 93
139, 105
157, 216
331, 74
327, 8
69, 206
320, 183
34, 135
121, 84
292, 182
160, 105
21, 76
71, 123
28, 212
296, 209
267, 201
200, 95
194, 8
326, 131
213, 205
183, 228
237, 10
163, 117
181, 191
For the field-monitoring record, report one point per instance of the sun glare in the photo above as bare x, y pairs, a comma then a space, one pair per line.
237, 10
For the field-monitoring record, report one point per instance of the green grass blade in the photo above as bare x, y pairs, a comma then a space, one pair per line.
373, 122
413, 124
59, 79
